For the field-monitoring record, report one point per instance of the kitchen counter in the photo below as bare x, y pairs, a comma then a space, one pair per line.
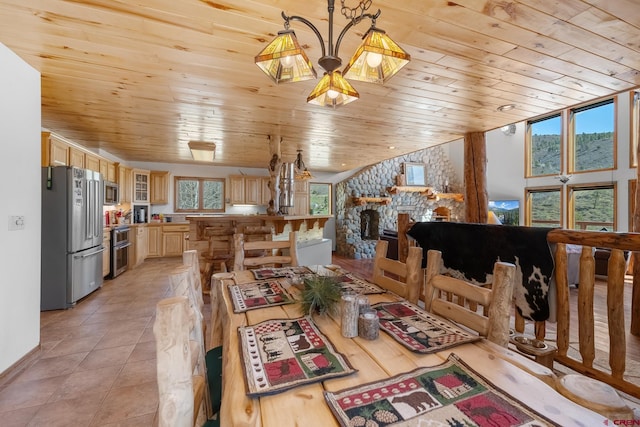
278, 221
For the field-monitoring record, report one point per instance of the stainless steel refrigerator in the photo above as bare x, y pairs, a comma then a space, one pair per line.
71, 235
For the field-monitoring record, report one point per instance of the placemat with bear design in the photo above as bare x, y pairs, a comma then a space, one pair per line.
449, 394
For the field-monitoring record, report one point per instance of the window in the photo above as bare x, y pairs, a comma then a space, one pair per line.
592, 137
544, 146
592, 207
632, 202
199, 194
543, 207
635, 129
319, 198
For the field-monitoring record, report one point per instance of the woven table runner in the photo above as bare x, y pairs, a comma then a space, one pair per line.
349, 282
450, 394
418, 330
285, 353
261, 294
270, 273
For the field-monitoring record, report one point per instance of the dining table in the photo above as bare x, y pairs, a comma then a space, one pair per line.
375, 360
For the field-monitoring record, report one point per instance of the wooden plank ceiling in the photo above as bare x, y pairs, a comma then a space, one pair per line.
141, 78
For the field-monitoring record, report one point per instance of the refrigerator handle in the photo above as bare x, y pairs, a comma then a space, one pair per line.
97, 217
88, 203
94, 214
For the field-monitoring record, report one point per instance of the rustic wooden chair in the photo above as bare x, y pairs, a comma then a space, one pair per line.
497, 300
271, 252
190, 259
219, 252
206, 363
403, 279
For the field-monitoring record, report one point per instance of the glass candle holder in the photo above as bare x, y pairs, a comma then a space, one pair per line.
363, 303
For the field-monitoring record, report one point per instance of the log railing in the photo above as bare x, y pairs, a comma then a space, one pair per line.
617, 243
583, 359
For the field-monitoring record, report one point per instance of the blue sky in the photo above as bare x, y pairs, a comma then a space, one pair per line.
589, 121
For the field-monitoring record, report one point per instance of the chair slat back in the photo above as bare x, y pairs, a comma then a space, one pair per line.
492, 321
403, 279
272, 251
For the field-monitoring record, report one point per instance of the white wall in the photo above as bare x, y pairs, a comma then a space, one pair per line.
20, 195
505, 166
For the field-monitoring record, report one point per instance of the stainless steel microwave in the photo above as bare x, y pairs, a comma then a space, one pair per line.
111, 193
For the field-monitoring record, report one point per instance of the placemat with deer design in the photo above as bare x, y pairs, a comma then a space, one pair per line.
270, 273
267, 293
449, 394
284, 353
418, 330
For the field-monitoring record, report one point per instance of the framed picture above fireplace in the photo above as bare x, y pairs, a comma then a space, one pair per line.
415, 174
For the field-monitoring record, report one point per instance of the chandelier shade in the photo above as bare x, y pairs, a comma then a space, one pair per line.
377, 59
283, 60
333, 91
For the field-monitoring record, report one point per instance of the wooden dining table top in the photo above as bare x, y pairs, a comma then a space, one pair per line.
374, 360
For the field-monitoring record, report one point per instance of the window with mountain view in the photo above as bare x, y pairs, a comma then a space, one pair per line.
319, 198
199, 194
544, 146
635, 128
592, 137
592, 207
543, 207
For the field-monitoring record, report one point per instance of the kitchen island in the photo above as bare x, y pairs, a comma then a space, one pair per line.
212, 235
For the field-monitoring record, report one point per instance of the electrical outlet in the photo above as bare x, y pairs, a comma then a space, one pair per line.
16, 222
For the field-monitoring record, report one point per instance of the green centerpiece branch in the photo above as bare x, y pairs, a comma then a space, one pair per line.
321, 294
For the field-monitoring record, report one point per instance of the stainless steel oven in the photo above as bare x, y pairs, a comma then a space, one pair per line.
120, 244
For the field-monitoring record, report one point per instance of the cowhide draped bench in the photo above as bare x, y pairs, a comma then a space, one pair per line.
469, 252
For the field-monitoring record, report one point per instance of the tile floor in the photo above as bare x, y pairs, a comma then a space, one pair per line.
97, 366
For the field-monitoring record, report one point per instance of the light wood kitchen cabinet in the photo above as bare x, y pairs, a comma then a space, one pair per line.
159, 187
108, 170
300, 198
140, 186
236, 189
76, 157
252, 190
55, 152
92, 162
173, 239
125, 184
154, 241
106, 254
246, 190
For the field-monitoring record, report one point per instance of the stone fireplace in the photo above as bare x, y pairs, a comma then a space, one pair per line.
358, 226
369, 224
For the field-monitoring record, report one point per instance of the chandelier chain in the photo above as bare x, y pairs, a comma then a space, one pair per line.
355, 13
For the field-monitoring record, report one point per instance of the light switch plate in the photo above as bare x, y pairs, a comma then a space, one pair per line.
16, 222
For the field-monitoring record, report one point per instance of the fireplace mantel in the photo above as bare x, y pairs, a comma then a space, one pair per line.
361, 201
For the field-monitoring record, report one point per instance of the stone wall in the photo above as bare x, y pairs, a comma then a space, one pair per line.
375, 180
